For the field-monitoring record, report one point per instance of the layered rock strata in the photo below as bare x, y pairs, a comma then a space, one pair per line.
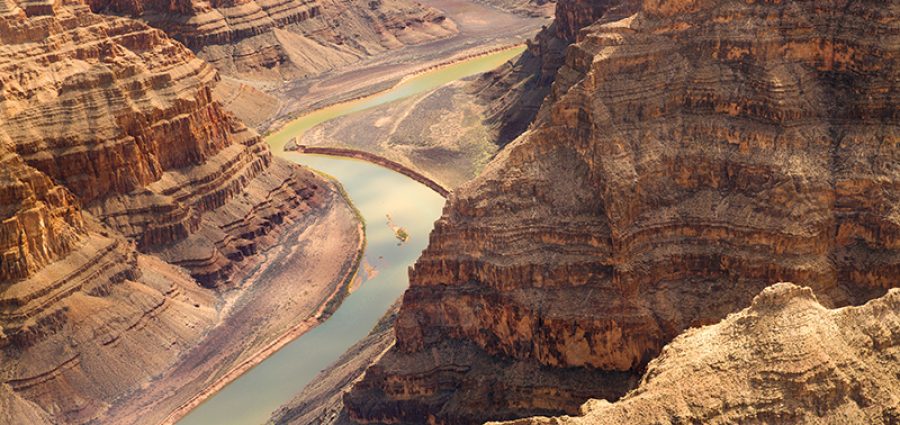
41, 221
126, 122
286, 39
116, 167
513, 93
687, 156
784, 359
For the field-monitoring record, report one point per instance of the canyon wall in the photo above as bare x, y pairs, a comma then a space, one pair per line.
286, 39
116, 167
687, 156
513, 93
784, 359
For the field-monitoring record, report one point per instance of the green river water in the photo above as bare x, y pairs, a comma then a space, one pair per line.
376, 192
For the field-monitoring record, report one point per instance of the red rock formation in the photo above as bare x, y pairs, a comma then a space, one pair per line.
514, 92
687, 156
784, 359
40, 220
127, 124
286, 39
114, 158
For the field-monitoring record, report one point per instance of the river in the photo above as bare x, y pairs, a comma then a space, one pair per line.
377, 192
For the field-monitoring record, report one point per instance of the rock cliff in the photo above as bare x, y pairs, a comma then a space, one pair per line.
687, 156
784, 359
286, 39
513, 93
115, 168
125, 121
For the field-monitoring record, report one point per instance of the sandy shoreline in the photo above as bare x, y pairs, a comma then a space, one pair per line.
482, 30
353, 84
301, 328
283, 117
305, 275
333, 300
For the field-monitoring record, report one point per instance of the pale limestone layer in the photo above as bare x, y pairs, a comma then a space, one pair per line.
784, 359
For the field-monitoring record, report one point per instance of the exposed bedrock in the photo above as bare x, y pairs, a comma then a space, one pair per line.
125, 121
687, 156
784, 359
40, 219
116, 167
286, 39
513, 93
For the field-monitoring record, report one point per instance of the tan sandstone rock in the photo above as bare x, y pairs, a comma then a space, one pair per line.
784, 359
687, 156
116, 167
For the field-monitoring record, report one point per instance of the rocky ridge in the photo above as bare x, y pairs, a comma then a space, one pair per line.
687, 156
286, 39
784, 359
116, 168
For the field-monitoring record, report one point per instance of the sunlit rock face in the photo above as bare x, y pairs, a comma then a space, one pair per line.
115, 167
784, 359
286, 39
688, 155
122, 117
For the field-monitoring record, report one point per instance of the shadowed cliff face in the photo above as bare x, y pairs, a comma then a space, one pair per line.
514, 92
687, 156
115, 165
286, 39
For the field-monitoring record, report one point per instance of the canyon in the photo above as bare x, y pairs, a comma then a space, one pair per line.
627, 200
688, 154
135, 209
286, 39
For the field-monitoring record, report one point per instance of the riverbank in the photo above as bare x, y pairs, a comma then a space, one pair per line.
321, 402
482, 30
327, 306
303, 276
377, 192
225, 389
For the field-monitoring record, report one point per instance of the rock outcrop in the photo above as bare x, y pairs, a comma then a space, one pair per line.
513, 93
41, 221
125, 121
784, 359
116, 167
286, 39
535, 8
687, 156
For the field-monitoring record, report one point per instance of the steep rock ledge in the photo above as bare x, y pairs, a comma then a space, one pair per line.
116, 167
126, 122
784, 359
40, 220
686, 157
514, 93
